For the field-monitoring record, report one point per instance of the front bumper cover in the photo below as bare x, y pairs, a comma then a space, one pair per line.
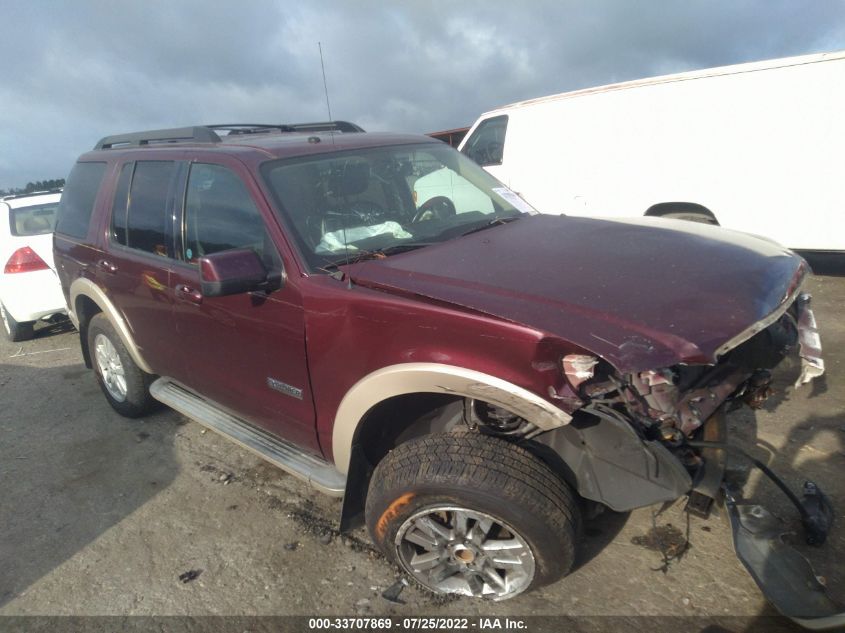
784, 576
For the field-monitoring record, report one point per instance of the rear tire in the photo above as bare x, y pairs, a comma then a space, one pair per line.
471, 514
15, 331
691, 217
125, 385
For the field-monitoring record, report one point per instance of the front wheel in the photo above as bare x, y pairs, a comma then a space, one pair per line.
15, 331
473, 515
125, 385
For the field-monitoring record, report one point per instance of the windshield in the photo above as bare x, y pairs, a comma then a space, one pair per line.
347, 204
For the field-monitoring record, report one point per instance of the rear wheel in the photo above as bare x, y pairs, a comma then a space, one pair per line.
474, 515
125, 385
15, 331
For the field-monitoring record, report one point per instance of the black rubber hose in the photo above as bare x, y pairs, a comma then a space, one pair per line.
766, 470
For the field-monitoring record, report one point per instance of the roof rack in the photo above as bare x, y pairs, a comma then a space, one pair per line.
236, 129
208, 134
173, 135
328, 126
262, 128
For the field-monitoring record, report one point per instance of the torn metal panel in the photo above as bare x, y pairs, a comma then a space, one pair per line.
670, 406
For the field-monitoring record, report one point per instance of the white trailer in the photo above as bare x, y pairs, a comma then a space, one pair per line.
756, 147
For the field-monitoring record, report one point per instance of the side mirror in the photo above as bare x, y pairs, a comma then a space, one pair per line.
232, 272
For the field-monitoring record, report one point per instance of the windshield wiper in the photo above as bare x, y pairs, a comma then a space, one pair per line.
379, 253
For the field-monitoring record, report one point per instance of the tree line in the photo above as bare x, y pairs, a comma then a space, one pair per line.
38, 185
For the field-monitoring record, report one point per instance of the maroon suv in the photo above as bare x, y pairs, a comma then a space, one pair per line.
378, 316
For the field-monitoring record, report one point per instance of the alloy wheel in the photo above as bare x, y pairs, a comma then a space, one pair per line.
110, 367
457, 550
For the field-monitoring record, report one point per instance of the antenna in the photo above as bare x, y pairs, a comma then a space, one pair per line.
331, 133
325, 86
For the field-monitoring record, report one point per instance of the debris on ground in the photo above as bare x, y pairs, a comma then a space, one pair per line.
291, 546
666, 539
325, 539
391, 594
191, 574
309, 518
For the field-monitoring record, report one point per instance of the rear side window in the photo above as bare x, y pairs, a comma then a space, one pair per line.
146, 215
37, 219
486, 146
78, 198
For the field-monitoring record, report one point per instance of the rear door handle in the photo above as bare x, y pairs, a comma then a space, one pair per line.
186, 293
107, 266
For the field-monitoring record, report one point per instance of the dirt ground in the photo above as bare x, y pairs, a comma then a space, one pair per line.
101, 515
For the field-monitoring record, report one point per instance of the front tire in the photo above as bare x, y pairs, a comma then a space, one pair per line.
125, 385
474, 515
15, 331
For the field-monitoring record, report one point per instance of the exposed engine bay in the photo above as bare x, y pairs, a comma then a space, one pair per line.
657, 435
671, 405
653, 436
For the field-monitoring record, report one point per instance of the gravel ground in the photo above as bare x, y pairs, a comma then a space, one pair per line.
102, 515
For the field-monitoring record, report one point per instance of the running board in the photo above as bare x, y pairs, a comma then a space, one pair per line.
305, 466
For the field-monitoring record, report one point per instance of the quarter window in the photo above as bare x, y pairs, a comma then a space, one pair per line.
78, 198
220, 215
486, 146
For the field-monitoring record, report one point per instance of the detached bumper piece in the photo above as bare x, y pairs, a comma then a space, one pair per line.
810, 344
784, 576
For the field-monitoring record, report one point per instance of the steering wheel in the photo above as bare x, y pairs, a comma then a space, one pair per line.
438, 207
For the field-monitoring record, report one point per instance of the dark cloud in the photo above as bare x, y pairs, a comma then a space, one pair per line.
73, 72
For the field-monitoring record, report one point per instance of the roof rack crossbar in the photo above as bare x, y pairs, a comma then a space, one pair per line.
197, 134
235, 129
327, 126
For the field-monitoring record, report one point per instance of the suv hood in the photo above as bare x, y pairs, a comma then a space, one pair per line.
642, 293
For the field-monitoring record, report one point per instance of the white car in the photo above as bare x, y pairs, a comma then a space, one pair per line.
29, 287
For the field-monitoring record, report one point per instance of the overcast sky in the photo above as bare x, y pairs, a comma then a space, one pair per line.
72, 72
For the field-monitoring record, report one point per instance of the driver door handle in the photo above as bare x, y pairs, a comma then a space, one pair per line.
107, 266
188, 294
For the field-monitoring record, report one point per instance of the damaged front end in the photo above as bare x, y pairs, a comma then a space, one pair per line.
656, 435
